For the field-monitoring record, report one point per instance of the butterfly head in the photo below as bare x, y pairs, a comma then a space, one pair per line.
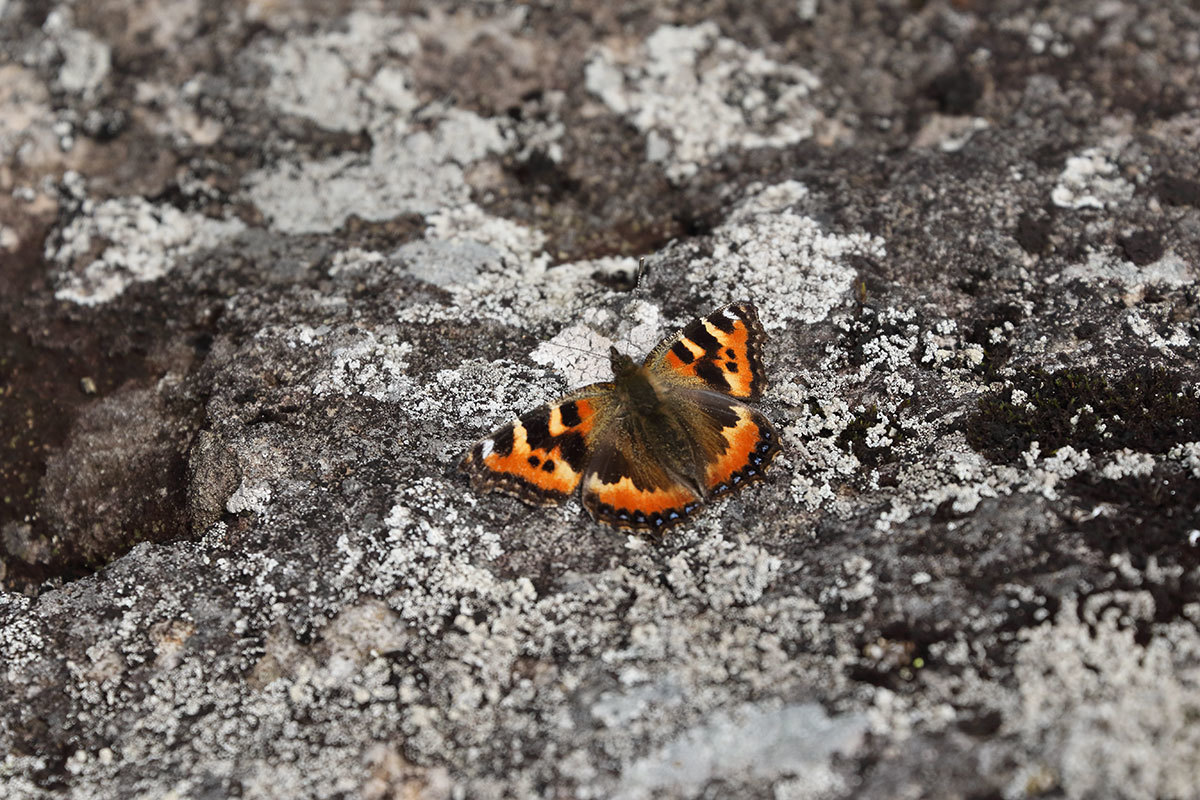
622, 365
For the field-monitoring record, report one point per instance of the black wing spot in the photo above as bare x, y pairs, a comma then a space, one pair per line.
570, 414
573, 449
700, 335
683, 352
729, 353
537, 429
711, 374
721, 322
731, 366
502, 443
533, 461
548, 466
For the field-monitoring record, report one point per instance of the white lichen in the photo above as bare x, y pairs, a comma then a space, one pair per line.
136, 240
1091, 180
695, 94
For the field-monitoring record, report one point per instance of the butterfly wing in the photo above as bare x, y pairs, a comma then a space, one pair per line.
540, 457
626, 484
736, 443
652, 479
721, 352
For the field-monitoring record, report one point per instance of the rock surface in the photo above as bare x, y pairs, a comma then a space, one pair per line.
266, 270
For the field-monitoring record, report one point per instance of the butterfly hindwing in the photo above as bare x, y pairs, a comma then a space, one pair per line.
540, 457
652, 479
626, 486
738, 443
721, 352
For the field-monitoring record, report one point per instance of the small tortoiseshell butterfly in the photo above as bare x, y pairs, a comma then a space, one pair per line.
655, 443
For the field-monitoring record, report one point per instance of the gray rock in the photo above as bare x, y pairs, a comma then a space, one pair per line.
265, 276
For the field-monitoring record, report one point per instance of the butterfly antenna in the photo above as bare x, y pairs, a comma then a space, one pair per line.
635, 294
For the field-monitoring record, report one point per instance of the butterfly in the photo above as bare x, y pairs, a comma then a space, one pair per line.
655, 443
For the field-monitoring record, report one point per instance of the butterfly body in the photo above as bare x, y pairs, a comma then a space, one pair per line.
653, 445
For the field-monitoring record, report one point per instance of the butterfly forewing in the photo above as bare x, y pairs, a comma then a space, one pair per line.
722, 352
540, 457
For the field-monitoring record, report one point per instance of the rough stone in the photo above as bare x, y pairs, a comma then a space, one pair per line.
267, 270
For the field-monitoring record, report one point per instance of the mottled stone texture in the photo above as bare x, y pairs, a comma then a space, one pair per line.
267, 269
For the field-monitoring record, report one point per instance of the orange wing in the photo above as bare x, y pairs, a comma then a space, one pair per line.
629, 484
540, 457
748, 443
629, 489
722, 352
